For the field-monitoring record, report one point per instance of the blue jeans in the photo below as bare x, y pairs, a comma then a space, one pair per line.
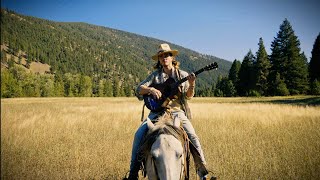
143, 129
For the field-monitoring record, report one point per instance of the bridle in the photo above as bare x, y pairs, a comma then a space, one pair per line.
184, 171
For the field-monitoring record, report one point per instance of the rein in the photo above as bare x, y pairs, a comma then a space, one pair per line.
186, 154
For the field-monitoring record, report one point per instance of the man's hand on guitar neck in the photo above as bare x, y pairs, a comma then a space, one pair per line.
192, 81
191, 78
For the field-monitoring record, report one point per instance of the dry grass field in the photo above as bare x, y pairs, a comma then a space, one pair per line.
90, 138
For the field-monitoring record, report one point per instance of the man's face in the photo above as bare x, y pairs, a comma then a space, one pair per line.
165, 59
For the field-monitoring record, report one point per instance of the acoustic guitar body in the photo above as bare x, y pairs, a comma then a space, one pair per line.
168, 89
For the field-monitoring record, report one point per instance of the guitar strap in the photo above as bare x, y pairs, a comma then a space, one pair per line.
182, 99
142, 114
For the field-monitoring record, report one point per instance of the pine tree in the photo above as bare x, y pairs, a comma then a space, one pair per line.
85, 86
234, 72
287, 60
315, 87
128, 90
314, 66
246, 75
69, 85
280, 86
262, 69
101, 87
217, 91
108, 89
116, 87
58, 85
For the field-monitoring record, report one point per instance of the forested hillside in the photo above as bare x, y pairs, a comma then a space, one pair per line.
84, 59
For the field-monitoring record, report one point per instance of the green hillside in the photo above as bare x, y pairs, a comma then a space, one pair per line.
101, 53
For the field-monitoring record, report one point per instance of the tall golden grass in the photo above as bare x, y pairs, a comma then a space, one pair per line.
91, 138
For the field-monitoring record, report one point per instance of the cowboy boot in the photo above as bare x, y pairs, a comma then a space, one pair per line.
134, 172
202, 171
132, 176
208, 178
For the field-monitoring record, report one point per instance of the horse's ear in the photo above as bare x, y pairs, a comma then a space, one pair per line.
150, 124
176, 122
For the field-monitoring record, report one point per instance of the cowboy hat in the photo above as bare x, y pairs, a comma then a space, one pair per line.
164, 48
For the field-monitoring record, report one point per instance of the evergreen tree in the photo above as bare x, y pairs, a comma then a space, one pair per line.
58, 85
122, 91
116, 87
108, 89
101, 87
234, 72
314, 66
128, 90
315, 87
246, 75
225, 88
68, 85
262, 69
287, 60
217, 91
280, 86
85, 86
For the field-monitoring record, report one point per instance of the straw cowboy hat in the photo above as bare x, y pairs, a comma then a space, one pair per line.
164, 48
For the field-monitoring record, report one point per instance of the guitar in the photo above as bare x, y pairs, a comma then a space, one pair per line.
169, 90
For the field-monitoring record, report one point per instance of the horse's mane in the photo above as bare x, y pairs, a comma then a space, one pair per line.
164, 125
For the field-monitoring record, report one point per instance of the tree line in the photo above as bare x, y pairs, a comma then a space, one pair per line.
284, 72
17, 82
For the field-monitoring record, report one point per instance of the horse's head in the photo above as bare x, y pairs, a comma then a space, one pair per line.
164, 150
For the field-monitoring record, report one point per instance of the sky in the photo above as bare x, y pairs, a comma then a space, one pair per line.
227, 29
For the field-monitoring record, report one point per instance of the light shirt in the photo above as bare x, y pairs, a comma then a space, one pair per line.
159, 77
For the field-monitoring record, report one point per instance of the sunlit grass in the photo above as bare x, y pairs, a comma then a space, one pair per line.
91, 138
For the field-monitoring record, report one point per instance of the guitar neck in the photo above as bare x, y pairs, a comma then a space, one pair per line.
185, 79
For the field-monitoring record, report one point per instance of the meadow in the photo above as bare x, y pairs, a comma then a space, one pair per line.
91, 138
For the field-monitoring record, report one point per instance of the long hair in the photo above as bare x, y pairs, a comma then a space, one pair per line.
175, 64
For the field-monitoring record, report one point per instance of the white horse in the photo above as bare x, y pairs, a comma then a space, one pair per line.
165, 151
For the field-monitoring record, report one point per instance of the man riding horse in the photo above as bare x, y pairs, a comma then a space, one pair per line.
166, 70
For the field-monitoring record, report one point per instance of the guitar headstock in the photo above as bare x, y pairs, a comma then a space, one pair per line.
211, 66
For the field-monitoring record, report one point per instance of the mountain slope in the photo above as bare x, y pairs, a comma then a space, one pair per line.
95, 51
